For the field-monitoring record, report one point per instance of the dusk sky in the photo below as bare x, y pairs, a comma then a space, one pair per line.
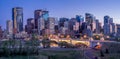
61, 8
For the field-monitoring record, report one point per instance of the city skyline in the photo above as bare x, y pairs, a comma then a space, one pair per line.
61, 8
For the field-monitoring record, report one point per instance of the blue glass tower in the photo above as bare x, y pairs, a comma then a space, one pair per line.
106, 19
79, 18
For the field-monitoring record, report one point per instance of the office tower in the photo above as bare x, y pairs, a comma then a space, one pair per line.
39, 14
66, 25
112, 26
106, 28
61, 21
51, 24
94, 26
1, 33
97, 30
111, 30
84, 27
89, 31
9, 27
106, 19
30, 25
76, 26
109, 26
80, 18
26, 28
56, 28
17, 17
56, 21
41, 17
118, 29
41, 25
5, 34
89, 18
72, 23
101, 27
111, 20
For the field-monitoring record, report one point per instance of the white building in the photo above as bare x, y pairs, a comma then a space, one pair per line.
9, 26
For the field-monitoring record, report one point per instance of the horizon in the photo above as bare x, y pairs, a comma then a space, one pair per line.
61, 8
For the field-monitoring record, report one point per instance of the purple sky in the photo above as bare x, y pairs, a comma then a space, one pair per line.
61, 8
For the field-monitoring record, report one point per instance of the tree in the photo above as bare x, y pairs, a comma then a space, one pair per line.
46, 43
101, 53
80, 45
106, 51
64, 44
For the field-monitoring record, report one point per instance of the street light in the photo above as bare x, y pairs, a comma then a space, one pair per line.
91, 39
98, 43
85, 36
68, 36
108, 36
102, 39
97, 36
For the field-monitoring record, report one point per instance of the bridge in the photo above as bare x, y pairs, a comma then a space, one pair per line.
72, 41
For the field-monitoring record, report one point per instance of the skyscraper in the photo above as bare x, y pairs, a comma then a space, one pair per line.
51, 24
94, 26
106, 19
9, 27
1, 33
89, 18
30, 25
97, 30
113, 27
40, 14
41, 17
118, 29
111, 20
61, 21
17, 17
80, 18
106, 26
